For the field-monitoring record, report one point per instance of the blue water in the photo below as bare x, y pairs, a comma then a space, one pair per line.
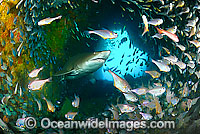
125, 58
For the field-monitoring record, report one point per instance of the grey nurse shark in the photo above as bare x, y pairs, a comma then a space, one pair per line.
83, 64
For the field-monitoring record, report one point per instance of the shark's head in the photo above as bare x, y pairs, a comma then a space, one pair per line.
96, 60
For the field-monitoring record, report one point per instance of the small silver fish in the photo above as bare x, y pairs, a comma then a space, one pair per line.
146, 27
35, 72
95, 1
48, 20
71, 115
20, 122
157, 91
130, 97
76, 101
146, 116
120, 83
115, 112
180, 64
18, 4
155, 22
174, 101
172, 59
16, 88
125, 108
39, 104
37, 84
105, 34
140, 91
163, 67
5, 99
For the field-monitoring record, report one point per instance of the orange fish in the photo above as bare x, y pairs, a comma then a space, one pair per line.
172, 36
5, 119
158, 106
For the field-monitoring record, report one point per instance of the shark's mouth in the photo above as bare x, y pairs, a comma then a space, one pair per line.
99, 59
